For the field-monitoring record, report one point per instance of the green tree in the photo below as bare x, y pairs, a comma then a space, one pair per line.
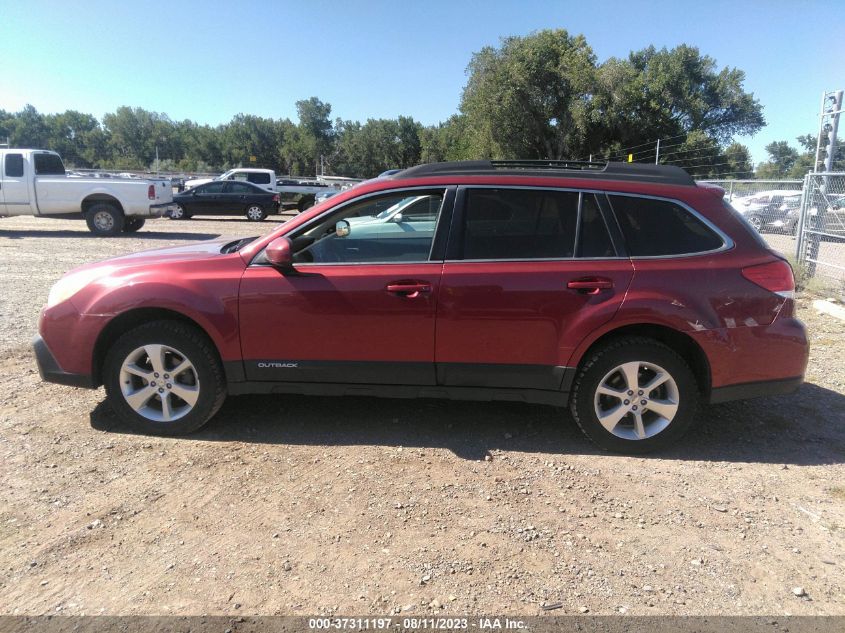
531, 97
782, 157
668, 94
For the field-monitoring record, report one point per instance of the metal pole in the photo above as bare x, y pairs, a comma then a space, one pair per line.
657, 155
834, 126
819, 136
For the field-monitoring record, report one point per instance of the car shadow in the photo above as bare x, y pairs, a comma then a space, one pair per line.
802, 429
146, 235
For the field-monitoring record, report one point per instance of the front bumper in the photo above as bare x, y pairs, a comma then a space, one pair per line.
50, 370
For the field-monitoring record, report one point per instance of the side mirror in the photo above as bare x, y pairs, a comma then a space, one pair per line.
342, 228
279, 253
397, 217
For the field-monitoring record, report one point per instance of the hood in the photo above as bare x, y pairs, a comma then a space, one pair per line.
165, 255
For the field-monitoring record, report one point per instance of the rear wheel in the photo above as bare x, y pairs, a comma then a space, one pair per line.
105, 219
164, 378
133, 225
179, 213
255, 213
634, 395
304, 203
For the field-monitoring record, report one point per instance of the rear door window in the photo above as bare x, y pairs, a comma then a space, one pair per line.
258, 178
14, 165
502, 224
654, 228
240, 187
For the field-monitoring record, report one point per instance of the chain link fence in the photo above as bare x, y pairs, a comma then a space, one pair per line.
820, 248
773, 207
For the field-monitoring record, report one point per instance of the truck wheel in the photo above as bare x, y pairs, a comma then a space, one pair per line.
634, 395
133, 225
164, 378
105, 220
304, 203
255, 213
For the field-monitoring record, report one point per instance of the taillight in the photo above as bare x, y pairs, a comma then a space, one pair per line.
151, 192
775, 277
276, 198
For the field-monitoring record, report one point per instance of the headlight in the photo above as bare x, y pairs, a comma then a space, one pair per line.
72, 283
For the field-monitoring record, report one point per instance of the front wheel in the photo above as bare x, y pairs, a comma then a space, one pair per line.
634, 395
255, 213
164, 378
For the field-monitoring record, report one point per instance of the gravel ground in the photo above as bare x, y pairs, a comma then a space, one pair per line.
295, 505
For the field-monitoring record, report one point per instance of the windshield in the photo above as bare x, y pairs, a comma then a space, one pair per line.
226, 175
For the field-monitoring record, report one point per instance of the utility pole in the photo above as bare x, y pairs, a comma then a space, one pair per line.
657, 155
828, 126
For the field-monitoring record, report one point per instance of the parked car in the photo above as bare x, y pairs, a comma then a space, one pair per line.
223, 197
264, 178
767, 209
325, 195
628, 293
34, 182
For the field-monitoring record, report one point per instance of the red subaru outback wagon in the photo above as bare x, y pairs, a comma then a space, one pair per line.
628, 293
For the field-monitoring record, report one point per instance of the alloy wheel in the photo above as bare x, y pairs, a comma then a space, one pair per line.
636, 400
159, 383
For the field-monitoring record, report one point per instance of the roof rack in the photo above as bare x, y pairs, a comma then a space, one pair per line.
640, 172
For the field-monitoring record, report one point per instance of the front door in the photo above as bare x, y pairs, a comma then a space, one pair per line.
359, 306
209, 198
528, 274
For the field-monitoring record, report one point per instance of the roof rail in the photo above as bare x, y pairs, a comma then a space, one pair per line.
640, 172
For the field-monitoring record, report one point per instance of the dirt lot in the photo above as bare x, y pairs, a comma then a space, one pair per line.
295, 505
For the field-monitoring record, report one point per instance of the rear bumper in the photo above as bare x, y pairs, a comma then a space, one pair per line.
160, 210
761, 389
749, 362
50, 370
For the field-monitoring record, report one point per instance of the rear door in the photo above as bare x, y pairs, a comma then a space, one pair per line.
15, 189
528, 274
209, 198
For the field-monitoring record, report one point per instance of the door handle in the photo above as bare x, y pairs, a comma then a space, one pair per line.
590, 285
411, 290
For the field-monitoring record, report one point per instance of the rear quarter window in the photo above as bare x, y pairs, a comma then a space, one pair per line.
654, 228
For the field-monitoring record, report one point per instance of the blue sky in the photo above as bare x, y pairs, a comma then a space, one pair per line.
207, 61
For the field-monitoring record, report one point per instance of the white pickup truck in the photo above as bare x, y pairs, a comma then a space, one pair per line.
33, 182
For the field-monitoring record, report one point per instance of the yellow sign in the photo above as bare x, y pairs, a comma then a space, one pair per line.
252, 159
630, 158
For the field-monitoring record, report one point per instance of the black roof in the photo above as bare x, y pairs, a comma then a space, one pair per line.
638, 172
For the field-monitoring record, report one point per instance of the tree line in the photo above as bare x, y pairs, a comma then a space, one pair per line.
542, 96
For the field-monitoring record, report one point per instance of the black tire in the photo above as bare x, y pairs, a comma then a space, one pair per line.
584, 401
255, 213
133, 225
179, 213
105, 220
305, 202
191, 344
